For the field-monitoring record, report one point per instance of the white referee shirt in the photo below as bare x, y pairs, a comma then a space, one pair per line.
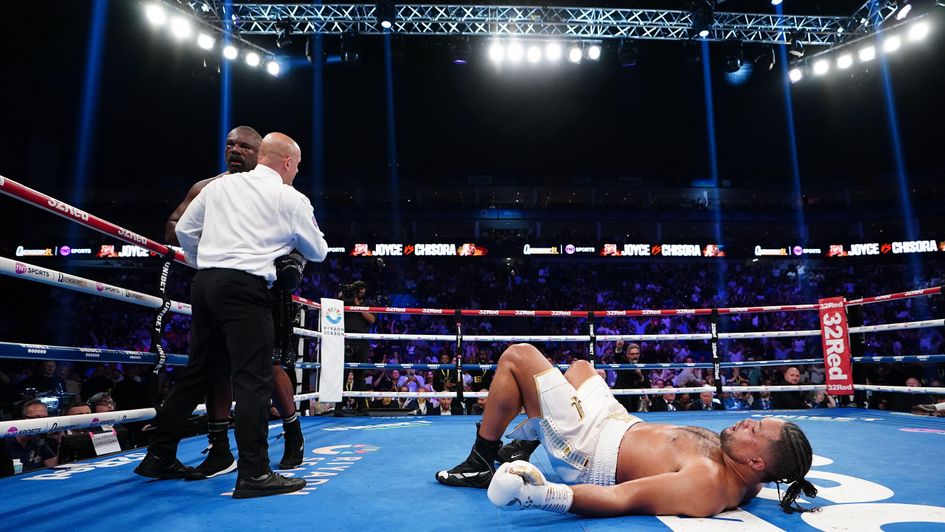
244, 221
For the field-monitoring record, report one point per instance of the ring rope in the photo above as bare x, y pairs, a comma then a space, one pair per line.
659, 365
86, 354
59, 279
659, 391
83, 354
32, 427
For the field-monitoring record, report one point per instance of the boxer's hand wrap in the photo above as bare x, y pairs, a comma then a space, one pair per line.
519, 485
289, 271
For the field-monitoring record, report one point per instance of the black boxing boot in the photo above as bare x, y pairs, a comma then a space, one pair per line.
294, 443
517, 450
477, 470
219, 459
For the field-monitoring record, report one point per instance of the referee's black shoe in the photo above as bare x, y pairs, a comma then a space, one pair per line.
265, 485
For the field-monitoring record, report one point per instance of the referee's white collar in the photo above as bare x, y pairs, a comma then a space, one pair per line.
266, 171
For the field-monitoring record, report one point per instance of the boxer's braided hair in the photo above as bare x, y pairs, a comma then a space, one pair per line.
791, 460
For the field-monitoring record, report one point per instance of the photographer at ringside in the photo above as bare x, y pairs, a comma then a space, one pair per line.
357, 322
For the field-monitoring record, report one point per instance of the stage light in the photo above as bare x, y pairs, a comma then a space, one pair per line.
904, 11
796, 74
867, 53
593, 52
821, 67
461, 52
284, 38
574, 55
386, 13
797, 47
230, 52
919, 30
252, 59
776, 2
892, 43
515, 52
766, 59
273, 68
734, 58
553, 51
534, 54
155, 14
703, 17
496, 52
628, 54
350, 52
181, 28
204, 41
844, 61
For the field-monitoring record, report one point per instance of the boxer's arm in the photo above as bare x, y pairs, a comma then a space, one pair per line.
678, 493
170, 236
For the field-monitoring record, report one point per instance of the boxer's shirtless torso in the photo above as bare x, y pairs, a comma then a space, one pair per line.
650, 449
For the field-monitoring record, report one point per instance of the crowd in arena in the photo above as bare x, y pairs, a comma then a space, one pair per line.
40, 388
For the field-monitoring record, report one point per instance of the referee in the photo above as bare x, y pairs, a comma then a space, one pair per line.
236, 228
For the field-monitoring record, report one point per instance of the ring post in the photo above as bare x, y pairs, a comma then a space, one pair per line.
716, 359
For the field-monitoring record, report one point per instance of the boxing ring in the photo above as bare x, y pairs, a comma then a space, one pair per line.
370, 472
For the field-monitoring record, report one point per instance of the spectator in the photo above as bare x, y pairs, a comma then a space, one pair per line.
47, 382
790, 400
706, 401
33, 452
630, 379
664, 403
821, 399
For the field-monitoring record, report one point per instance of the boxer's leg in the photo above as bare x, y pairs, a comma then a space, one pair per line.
284, 400
577, 374
513, 388
219, 460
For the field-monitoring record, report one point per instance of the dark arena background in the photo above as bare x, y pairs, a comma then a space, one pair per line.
692, 177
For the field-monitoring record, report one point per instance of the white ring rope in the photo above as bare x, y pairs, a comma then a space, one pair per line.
640, 337
898, 326
653, 391
43, 425
80, 284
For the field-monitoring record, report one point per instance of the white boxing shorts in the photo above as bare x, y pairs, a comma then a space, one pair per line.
580, 429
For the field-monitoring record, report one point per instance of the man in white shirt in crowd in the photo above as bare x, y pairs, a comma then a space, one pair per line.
233, 231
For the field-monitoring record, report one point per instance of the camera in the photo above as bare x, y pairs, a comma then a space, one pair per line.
348, 294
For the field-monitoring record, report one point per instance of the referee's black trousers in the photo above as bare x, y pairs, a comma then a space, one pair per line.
231, 333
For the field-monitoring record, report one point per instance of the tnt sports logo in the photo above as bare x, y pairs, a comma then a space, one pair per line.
20, 268
798, 250
100, 287
65, 251
569, 249
333, 315
13, 430
358, 448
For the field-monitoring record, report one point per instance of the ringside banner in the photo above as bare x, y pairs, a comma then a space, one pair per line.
332, 350
835, 339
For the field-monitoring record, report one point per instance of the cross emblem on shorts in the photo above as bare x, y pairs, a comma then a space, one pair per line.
576, 403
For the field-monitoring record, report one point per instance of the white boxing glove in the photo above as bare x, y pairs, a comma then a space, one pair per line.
519, 485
